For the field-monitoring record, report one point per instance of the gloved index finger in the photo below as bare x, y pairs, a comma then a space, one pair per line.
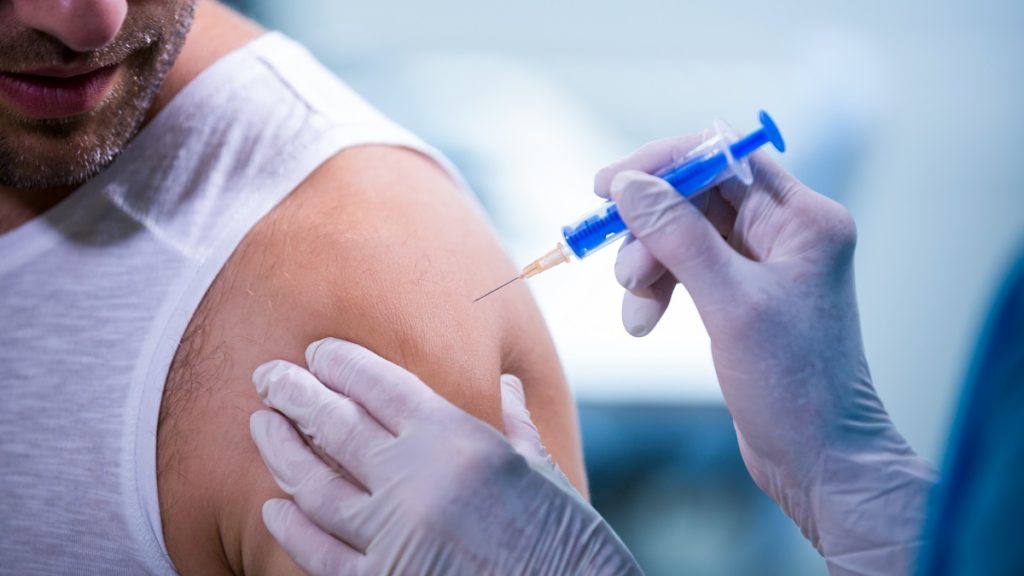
336, 424
392, 395
650, 158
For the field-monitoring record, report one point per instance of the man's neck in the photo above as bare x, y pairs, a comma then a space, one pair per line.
215, 31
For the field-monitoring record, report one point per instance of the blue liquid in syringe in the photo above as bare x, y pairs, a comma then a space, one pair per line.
604, 225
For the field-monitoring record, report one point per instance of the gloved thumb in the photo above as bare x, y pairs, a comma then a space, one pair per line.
674, 231
519, 428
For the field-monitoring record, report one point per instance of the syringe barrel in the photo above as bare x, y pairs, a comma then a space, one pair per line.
702, 168
719, 157
698, 174
598, 228
594, 230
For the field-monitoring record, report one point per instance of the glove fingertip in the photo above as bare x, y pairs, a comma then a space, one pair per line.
603, 179
625, 274
273, 513
637, 329
519, 427
512, 394
619, 184
627, 182
643, 309
634, 320
512, 381
311, 350
260, 377
266, 374
258, 423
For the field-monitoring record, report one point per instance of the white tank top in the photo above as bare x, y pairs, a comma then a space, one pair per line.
96, 294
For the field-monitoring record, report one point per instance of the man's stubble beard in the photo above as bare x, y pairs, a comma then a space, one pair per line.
88, 143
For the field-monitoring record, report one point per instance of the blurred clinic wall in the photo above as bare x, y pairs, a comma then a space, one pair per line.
906, 112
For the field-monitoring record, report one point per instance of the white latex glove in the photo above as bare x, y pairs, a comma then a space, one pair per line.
770, 269
428, 490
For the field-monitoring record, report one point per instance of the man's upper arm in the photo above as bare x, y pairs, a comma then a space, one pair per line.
379, 247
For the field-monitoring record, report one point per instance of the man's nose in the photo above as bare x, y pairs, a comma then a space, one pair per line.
81, 25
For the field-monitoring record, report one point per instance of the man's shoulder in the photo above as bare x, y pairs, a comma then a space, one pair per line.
377, 246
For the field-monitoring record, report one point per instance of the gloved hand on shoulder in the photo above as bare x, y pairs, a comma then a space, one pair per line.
410, 484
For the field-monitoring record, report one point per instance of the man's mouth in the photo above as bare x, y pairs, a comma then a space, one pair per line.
56, 92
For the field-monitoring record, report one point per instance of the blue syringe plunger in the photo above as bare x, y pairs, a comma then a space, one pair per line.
719, 158
768, 132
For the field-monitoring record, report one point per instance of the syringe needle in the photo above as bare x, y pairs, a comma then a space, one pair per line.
498, 288
546, 262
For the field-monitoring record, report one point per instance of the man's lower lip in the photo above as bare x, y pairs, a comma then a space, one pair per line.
43, 97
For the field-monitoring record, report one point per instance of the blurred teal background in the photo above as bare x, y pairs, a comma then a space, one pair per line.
906, 112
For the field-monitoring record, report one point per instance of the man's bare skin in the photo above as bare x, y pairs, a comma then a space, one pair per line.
379, 247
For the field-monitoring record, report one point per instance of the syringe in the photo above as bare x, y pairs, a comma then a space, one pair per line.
718, 158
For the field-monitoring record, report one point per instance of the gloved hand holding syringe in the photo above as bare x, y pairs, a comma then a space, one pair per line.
719, 157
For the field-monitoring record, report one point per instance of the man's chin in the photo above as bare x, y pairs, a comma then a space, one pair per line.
63, 152
46, 162
48, 183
